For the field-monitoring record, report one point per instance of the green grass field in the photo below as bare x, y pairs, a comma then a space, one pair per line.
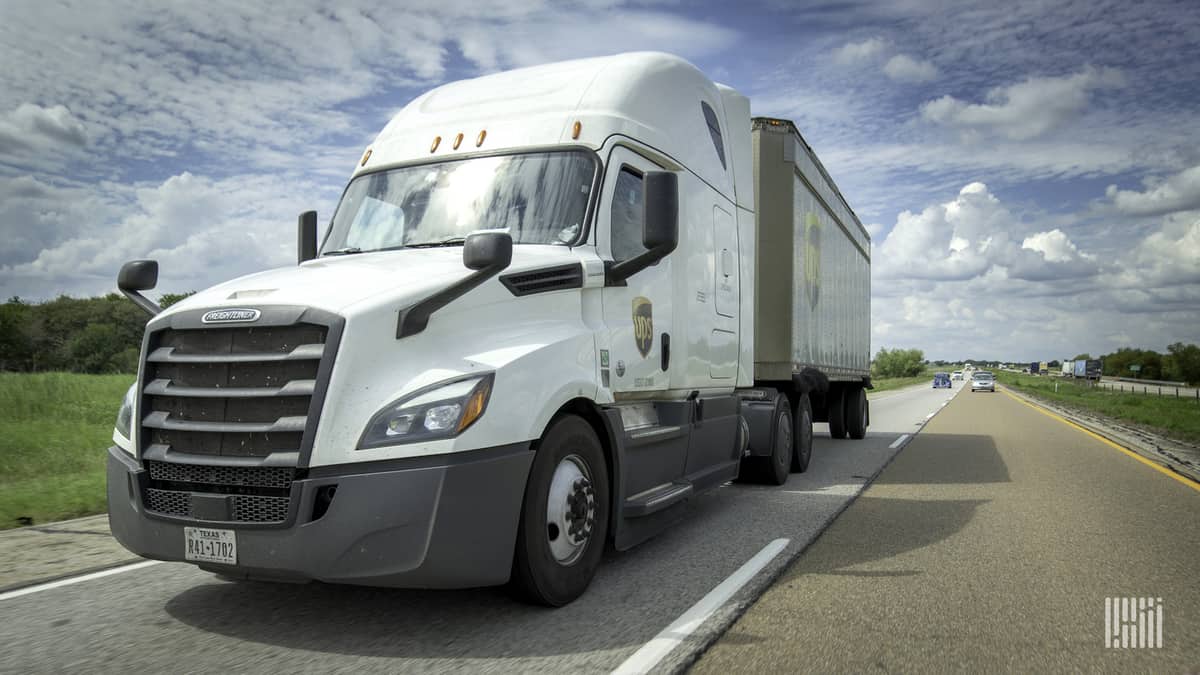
55, 429
889, 383
1173, 417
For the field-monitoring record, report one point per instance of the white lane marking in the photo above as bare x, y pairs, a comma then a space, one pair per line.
899, 441
843, 490
653, 651
930, 415
76, 580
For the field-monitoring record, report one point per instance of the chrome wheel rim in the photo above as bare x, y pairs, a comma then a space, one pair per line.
570, 510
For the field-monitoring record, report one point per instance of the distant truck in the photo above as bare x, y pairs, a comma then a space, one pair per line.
1068, 368
552, 305
1034, 367
1089, 369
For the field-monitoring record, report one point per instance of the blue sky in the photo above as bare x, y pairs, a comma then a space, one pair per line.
1030, 171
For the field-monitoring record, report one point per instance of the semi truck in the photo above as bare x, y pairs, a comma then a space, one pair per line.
552, 305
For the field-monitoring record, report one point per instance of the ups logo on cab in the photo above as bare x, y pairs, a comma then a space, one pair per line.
643, 325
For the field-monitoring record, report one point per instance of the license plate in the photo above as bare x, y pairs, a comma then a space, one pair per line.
204, 544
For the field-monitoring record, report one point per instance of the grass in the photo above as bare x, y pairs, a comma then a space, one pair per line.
54, 432
1168, 416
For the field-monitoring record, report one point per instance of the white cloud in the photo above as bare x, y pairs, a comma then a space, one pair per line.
904, 68
1180, 192
859, 52
31, 126
1171, 255
1025, 110
1053, 245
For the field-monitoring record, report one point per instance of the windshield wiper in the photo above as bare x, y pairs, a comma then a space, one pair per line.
343, 251
452, 241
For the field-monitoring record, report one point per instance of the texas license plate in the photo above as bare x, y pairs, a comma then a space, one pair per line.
203, 544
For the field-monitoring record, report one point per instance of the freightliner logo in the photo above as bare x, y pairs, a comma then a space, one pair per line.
231, 315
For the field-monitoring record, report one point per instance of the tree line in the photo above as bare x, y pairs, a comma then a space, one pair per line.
79, 335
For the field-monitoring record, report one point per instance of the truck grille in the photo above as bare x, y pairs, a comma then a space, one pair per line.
225, 394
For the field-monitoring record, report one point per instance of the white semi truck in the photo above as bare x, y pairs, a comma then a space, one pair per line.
552, 305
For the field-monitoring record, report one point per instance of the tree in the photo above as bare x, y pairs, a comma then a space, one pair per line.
899, 363
1082, 357
1183, 362
1117, 364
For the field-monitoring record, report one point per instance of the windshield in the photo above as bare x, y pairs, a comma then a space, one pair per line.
538, 198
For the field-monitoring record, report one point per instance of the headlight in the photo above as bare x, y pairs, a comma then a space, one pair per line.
442, 411
125, 416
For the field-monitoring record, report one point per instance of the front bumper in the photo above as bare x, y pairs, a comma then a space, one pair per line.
439, 522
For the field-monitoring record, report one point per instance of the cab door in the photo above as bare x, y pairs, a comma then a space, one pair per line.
637, 315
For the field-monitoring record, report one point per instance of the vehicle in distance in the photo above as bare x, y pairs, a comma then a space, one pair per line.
956, 375
552, 305
941, 380
982, 380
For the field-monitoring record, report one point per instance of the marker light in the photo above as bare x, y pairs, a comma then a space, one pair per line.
457, 141
575, 129
436, 141
366, 156
479, 139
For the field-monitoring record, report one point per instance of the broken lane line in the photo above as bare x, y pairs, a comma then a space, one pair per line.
899, 441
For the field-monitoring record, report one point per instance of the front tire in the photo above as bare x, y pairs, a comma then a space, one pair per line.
564, 518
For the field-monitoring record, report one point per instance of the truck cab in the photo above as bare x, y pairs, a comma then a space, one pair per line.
526, 334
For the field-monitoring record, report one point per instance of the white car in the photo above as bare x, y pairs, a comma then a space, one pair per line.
983, 380
956, 375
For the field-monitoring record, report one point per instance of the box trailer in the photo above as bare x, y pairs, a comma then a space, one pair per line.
552, 305
1079, 368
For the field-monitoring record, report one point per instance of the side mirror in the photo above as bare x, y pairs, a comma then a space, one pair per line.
306, 243
660, 226
485, 250
139, 275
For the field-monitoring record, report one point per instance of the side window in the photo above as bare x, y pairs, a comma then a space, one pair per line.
714, 130
627, 215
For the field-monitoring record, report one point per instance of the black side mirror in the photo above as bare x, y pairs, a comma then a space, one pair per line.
484, 250
139, 275
660, 225
307, 237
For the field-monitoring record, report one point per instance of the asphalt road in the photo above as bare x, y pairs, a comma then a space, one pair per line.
989, 544
173, 617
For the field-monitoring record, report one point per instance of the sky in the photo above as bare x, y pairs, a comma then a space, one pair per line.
1029, 171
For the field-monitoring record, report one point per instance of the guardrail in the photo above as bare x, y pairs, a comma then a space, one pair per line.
1149, 389
1163, 383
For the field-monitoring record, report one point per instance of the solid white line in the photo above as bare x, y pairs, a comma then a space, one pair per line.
75, 580
899, 441
653, 651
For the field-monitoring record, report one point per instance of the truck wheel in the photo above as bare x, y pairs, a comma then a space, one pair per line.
803, 435
835, 400
773, 469
564, 518
856, 413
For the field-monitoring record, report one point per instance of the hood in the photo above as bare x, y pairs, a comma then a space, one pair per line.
335, 283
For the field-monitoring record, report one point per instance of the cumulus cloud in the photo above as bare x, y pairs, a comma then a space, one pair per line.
904, 68
31, 126
859, 52
972, 235
1180, 192
1024, 110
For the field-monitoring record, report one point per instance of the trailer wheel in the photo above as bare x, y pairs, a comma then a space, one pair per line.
803, 435
564, 518
835, 401
856, 413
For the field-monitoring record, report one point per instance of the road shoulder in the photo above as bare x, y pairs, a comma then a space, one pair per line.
42, 553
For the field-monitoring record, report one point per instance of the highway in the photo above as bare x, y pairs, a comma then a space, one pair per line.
173, 617
989, 544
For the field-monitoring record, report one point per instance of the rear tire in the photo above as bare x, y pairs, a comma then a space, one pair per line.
773, 469
802, 416
835, 402
567, 490
856, 413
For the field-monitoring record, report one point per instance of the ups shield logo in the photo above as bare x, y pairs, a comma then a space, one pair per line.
643, 325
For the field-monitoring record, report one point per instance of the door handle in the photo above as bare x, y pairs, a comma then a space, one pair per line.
666, 351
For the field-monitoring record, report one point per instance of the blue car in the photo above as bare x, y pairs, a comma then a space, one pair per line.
941, 380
